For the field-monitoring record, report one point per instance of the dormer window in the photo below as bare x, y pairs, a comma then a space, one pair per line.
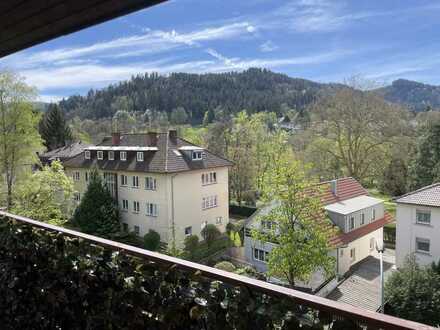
140, 156
196, 155
87, 154
123, 155
111, 155
100, 155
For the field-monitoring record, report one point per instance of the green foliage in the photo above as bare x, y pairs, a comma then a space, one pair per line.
191, 243
225, 265
210, 233
413, 293
97, 212
19, 138
45, 195
53, 128
300, 226
229, 228
68, 283
254, 89
425, 168
178, 116
152, 240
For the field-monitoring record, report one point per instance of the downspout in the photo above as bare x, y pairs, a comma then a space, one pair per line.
173, 226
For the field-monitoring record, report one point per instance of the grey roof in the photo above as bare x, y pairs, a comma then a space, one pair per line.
167, 159
429, 196
65, 152
353, 204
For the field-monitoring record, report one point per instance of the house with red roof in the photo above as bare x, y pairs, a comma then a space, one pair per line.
357, 220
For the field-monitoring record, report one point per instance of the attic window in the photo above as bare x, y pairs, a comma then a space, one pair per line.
87, 154
196, 155
140, 156
100, 155
111, 155
123, 155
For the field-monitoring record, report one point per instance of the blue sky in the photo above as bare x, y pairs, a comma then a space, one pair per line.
322, 40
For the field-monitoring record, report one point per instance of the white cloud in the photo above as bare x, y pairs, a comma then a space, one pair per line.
152, 41
268, 46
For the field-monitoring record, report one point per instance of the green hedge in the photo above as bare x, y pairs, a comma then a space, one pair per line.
50, 281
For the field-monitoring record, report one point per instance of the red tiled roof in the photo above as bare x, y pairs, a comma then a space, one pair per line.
346, 188
345, 238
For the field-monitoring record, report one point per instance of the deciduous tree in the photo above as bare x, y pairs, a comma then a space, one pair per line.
300, 227
19, 138
45, 195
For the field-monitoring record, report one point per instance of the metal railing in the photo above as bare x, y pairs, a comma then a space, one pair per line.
369, 318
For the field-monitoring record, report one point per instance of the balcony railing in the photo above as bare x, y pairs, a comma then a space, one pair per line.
59, 278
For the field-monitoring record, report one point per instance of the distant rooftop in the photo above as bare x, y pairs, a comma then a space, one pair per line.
353, 204
428, 196
64, 153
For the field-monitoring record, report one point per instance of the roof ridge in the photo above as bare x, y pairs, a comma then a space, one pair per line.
417, 191
338, 179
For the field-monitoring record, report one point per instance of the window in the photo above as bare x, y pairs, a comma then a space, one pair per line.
87, 154
218, 220
150, 183
136, 230
196, 155
124, 205
76, 176
135, 181
140, 156
209, 178
423, 217
136, 207
86, 176
123, 155
209, 202
422, 245
373, 214
125, 227
111, 155
188, 231
261, 255
100, 155
124, 180
353, 254
267, 224
351, 223
77, 197
151, 209
362, 218
372, 243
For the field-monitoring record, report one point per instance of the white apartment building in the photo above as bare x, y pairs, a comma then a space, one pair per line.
358, 218
418, 225
160, 181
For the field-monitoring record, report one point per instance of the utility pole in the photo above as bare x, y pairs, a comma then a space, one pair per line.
380, 248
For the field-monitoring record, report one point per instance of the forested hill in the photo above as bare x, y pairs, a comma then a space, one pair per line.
415, 95
254, 89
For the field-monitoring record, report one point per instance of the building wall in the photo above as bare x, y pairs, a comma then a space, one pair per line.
344, 262
408, 230
362, 249
183, 190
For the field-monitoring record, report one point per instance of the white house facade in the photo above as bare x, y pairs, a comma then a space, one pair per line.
358, 217
161, 182
418, 226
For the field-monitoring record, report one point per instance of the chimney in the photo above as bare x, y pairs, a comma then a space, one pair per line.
172, 133
152, 139
334, 187
116, 138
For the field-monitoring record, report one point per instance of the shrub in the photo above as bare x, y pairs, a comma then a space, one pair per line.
191, 243
152, 240
225, 265
230, 227
210, 233
413, 293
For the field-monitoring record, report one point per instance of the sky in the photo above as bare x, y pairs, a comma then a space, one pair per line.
321, 40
